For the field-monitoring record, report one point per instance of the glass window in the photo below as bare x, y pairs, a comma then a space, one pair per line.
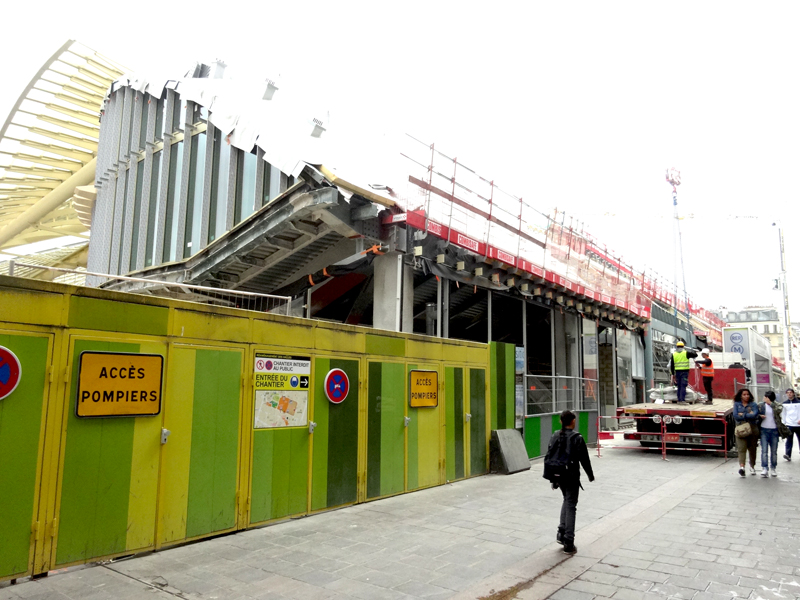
565, 332
194, 207
568, 389
137, 209
218, 211
173, 193
124, 205
589, 349
626, 394
177, 114
267, 188
152, 213
245, 186
144, 106
590, 375
135, 105
766, 328
161, 106
638, 356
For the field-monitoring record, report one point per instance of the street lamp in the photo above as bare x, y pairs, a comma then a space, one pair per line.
787, 323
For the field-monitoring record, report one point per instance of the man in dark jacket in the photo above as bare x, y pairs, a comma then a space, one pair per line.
578, 455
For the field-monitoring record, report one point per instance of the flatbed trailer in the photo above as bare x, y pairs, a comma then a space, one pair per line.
698, 426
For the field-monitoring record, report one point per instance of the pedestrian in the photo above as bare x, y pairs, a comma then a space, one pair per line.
679, 368
745, 412
706, 366
794, 428
772, 428
577, 455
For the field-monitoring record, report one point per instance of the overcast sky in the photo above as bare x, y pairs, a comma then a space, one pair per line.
580, 105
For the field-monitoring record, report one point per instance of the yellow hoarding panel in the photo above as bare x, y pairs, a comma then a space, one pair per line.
118, 384
424, 389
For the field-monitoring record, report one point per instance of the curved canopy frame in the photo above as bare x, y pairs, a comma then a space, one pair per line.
48, 146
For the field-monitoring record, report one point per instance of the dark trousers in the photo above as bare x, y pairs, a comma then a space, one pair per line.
568, 509
795, 432
707, 383
681, 380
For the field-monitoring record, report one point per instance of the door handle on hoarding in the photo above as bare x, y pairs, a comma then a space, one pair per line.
311, 426
467, 417
164, 435
406, 421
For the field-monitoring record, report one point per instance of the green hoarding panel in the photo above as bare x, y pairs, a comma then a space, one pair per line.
477, 433
20, 424
343, 440
95, 484
215, 442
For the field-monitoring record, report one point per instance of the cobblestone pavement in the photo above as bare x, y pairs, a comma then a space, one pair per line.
686, 528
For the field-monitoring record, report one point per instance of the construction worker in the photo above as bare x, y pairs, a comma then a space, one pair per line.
706, 366
679, 367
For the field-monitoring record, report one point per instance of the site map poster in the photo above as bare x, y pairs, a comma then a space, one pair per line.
281, 390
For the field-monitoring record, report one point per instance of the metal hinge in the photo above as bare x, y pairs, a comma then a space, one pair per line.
50, 373
54, 528
35, 531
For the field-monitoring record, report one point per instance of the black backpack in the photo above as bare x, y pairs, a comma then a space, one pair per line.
556, 461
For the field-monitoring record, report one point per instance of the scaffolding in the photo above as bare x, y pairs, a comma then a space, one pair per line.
450, 200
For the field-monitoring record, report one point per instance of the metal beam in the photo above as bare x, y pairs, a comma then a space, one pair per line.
49, 203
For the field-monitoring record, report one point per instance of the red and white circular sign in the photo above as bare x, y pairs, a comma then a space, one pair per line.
10, 372
337, 385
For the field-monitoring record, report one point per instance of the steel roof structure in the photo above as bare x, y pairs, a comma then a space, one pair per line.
48, 147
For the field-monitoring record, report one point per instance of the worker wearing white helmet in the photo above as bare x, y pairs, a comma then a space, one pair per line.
706, 366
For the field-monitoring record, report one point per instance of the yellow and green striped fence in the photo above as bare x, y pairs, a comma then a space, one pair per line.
76, 490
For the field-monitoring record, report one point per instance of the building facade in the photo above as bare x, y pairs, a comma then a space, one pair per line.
766, 321
202, 182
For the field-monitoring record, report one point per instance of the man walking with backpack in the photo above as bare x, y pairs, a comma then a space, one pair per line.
566, 451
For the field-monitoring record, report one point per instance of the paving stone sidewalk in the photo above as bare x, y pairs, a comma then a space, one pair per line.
686, 528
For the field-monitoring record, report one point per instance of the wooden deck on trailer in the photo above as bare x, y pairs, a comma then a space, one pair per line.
718, 408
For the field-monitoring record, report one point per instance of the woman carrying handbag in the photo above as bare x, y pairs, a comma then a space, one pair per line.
746, 417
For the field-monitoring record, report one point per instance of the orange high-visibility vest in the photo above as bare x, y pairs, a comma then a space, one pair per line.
707, 370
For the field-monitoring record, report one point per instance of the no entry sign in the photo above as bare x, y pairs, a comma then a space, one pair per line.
10, 372
336, 385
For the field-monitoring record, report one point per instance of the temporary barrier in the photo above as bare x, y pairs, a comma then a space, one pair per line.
726, 382
258, 418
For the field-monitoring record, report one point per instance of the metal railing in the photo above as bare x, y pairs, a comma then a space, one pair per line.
546, 394
264, 303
